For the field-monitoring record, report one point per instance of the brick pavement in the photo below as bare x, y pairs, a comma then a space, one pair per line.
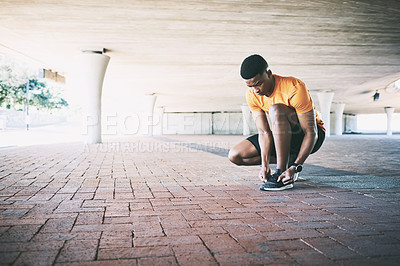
156, 201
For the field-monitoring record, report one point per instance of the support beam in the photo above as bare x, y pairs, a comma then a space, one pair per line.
246, 114
389, 113
339, 108
325, 102
91, 66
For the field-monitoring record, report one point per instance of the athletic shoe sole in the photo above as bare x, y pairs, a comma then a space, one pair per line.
289, 186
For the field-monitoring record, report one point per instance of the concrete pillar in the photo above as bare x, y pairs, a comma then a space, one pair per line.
158, 120
339, 108
325, 101
350, 123
246, 114
92, 68
389, 112
149, 101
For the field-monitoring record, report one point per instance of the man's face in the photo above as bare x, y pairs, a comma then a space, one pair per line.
260, 84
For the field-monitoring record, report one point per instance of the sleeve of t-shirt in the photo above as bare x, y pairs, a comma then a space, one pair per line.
300, 98
250, 102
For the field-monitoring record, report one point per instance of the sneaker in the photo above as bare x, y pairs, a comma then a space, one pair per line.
295, 177
273, 185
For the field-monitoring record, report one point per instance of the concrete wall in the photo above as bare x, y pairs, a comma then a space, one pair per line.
227, 123
187, 123
17, 119
204, 123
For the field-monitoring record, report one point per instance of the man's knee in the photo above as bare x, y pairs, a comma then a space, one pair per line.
278, 110
234, 157
282, 113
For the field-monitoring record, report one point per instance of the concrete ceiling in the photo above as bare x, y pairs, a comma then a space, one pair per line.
189, 52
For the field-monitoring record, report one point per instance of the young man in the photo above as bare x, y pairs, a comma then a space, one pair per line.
295, 131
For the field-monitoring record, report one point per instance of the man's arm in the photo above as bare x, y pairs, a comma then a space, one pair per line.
265, 140
309, 127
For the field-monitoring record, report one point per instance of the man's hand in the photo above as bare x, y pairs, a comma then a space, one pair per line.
265, 174
287, 177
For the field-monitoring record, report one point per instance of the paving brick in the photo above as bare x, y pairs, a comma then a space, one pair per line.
19, 233
212, 208
37, 258
78, 251
58, 225
312, 257
165, 241
208, 230
173, 217
102, 227
9, 222
196, 259
309, 225
270, 258
176, 231
3, 229
221, 243
125, 262
263, 225
239, 230
7, 258
286, 245
90, 218
387, 261
31, 246
193, 254
253, 243
291, 234
233, 215
135, 252
79, 204
195, 215
40, 237
155, 261
331, 249
116, 239
117, 210
372, 245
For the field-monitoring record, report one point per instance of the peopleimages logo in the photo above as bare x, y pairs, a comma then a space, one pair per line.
116, 124
159, 146
167, 123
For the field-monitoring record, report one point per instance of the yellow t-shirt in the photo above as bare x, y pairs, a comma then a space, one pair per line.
289, 91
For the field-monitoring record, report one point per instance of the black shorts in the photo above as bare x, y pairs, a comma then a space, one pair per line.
295, 144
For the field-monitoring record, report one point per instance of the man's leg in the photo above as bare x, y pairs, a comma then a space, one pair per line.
283, 120
245, 153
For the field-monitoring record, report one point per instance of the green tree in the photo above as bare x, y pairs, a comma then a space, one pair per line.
45, 95
13, 78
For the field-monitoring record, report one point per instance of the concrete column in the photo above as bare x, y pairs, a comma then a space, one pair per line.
158, 120
389, 112
325, 101
339, 108
92, 68
350, 123
149, 101
246, 114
